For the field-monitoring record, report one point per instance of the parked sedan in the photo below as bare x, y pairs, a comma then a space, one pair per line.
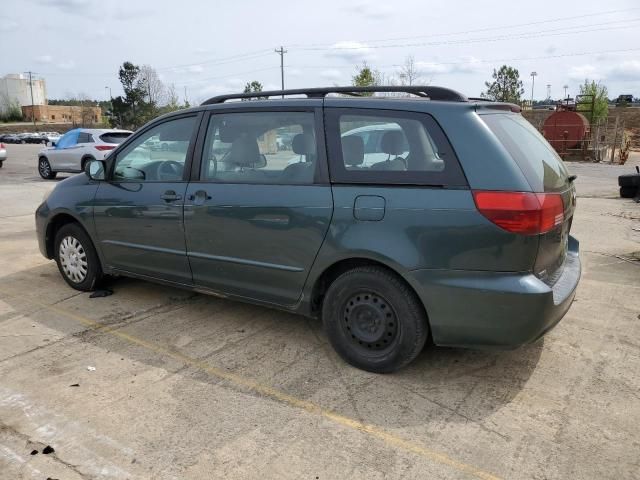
3, 154
75, 148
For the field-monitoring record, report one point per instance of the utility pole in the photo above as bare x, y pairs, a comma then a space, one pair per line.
548, 91
281, 51
566, 87
533, 82
33, 107
186, 102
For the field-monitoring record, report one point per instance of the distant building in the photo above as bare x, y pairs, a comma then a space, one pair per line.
15, 89
86, 115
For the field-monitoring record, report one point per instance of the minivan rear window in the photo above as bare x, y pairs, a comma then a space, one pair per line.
115, 137
541, 165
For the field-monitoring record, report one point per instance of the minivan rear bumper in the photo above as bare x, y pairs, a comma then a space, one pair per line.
495, 309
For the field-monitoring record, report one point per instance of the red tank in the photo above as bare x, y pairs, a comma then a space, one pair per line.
565, 129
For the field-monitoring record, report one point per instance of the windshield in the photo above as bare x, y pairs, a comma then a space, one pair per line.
539, 162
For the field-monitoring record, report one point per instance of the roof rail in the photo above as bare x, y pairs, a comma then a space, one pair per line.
431, 93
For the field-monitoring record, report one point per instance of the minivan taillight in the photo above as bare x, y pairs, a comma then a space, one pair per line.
521, 212
105, 147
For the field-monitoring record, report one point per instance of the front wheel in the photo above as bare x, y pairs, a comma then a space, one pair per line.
44, 169
77, 258
374, 320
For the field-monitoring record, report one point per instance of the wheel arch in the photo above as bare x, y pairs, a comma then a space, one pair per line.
333, 271
56, 223
85, 158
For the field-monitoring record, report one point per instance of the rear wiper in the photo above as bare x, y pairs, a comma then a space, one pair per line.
571, 178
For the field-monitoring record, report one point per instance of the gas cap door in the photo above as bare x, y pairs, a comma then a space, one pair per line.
369, 208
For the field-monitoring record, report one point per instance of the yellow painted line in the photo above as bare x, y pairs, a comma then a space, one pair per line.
275, 394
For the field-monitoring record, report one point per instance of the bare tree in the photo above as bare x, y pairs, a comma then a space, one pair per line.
86, 112
173, 101
154, 89
409, 74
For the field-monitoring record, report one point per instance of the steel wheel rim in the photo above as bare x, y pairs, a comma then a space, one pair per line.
73, 259
370, 322
44, 168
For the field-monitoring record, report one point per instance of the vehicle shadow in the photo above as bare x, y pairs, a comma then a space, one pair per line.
279, 350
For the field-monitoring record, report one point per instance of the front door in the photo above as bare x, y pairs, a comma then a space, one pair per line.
60, 157
261, 206
138, 212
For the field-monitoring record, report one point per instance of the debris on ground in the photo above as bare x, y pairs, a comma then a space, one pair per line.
47, 450
101, 293
91, 369
74, 385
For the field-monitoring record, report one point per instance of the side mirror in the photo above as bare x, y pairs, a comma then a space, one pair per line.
95, 169
261, 163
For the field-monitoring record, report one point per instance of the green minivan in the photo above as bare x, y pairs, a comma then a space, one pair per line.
391, 218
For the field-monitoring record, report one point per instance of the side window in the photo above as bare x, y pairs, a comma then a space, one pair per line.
372, 146
260, 147
158, 155
84, 137
68, 139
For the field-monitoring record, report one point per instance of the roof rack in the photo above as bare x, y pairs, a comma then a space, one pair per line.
431, 93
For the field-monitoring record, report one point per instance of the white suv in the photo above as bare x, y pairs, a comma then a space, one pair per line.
71, 151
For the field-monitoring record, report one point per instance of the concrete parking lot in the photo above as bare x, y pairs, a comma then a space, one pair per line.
182, 385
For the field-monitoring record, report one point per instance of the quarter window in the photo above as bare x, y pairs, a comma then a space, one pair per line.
260, 147
158, 155
375, 146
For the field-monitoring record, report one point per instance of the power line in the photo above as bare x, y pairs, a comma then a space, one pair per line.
519, 36
487, 29
281, 52
33, 107
493, 60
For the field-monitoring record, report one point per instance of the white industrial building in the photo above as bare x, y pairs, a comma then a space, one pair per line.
15, 89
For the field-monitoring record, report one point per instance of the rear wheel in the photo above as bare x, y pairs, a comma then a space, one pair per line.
629, 180
628, 192
374, 320
77, 258
44, 169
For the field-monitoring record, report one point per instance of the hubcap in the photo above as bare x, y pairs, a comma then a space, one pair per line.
73, 259
44, 167
369, 321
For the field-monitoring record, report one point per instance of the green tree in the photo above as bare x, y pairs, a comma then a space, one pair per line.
252, 87
505, 87
134, 110
599, 93
365, 77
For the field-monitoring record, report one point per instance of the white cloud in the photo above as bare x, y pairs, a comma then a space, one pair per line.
66, 65
470, 65
628, 70
351, 51
331, 74
68, 6
7, 25
372, 10
45, 59
195, 69
580, 72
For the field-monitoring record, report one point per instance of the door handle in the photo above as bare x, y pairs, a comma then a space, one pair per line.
199, 197
170, 196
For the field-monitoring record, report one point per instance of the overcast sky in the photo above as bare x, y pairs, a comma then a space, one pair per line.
216, 47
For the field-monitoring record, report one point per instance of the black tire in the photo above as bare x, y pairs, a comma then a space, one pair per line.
71, 239
628, 192
44, 169
84, 161
629, 180
374, 320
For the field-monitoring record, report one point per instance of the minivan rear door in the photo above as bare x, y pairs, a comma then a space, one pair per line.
546, 173
259, 205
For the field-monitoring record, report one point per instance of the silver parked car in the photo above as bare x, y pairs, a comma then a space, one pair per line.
71, 151
3, 154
